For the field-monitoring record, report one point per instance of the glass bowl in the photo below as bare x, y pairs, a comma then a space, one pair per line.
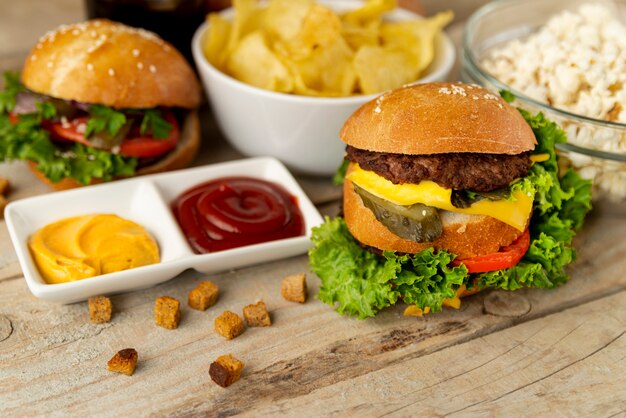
596, 148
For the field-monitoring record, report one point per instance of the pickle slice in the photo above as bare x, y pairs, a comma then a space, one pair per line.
419, 223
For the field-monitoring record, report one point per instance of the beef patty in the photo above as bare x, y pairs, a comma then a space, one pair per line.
458, 171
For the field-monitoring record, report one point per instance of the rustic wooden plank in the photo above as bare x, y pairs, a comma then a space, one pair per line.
311, 361
569, 364
54, 360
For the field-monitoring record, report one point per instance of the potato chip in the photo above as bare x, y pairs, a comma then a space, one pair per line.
372, 10
301, 26
327, 71
416, 36
380, 69
254, 63
246, 20
216, 38
301, 47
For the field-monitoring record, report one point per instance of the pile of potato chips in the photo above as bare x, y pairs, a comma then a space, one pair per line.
301, 47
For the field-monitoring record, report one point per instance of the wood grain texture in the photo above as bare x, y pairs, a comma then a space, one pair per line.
312, 361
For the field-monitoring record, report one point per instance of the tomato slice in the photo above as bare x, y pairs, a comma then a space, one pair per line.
147, 146
72, 130
13, 118
505, 258
136, 145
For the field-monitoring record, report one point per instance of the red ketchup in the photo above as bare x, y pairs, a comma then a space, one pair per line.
232, 212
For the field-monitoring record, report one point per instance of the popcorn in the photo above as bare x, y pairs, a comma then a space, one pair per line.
576, 62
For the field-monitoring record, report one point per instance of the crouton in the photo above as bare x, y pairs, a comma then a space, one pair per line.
4, 186
203, 296
3, 203
124, 361
226, 370
229, 325
294, 288
167, 312
100, 309
257, 315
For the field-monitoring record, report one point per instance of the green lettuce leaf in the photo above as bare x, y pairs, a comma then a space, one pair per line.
360, 283
154, 123
12, 87
357, 281
340, 175
559, 209
25, 140
425, 279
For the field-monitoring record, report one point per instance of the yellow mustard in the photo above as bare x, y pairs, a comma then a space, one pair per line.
86, 246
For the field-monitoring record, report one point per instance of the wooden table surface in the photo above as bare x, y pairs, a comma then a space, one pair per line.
527, 353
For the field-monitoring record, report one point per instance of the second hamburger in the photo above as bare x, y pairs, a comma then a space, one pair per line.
100, 100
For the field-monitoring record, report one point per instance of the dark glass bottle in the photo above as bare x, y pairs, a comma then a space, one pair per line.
174, 20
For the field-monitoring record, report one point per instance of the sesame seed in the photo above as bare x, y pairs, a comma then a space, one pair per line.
33, 57
475, 97
94, 33
152, 69
97, 23
90, 67
75, 32
140, 65
458, 90
135, 52
50, 64
39, 46
111, 72
103, 37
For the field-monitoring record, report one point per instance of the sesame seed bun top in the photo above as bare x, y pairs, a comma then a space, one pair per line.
436, 118
104, 62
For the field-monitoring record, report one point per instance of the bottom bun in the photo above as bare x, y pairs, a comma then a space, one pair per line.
180, 157
464, 235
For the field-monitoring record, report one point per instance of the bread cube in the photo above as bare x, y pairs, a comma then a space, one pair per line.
167, 312
124, 361
4, 186
3, 203
203, 296
100, 309
226, 370
294, 288
229, 325
257, 315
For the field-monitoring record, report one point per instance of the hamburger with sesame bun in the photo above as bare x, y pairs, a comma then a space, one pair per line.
448, 189
98, 101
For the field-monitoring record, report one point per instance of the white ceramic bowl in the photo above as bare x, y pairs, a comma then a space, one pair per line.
301, 131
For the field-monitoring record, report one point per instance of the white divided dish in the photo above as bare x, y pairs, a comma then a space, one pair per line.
146, 201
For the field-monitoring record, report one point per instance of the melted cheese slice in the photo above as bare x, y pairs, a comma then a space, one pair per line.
539, 158
514, 212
